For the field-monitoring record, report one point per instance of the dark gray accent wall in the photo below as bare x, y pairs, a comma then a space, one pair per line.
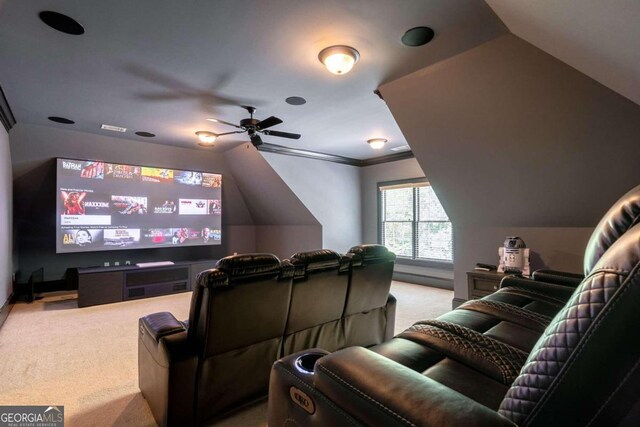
515, 140
33, 150
6, 218
330, 191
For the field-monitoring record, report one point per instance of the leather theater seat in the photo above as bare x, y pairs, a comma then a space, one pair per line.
320, 283
192, 372
250, 310
499, 365
370, 310
340, 301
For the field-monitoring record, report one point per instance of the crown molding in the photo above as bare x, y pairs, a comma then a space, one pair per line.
279, 149
387, 158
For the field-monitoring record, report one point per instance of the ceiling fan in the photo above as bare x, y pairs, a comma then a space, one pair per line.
255, 127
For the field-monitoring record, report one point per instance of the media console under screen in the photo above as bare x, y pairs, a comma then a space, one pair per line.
109, 206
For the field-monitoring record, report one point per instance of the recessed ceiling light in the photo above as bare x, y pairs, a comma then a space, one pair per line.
376, 143
146, 134
295, 100
113, 128
418, 36
61, 22
61, 120
339, 59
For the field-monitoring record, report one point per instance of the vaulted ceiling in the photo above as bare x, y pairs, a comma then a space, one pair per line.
164, 67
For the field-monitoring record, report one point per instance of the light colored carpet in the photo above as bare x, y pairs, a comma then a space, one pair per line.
54, 353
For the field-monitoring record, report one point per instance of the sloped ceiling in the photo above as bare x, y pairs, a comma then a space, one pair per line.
599, 38
510, 136
268, 198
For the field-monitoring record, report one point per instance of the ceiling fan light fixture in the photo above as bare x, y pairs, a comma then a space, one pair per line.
339, 59
376, 143
206, 137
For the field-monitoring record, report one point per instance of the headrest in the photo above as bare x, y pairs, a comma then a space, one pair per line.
372, 252
212, 278
623, 256
623, 215
317, 260
249, 265
286, 269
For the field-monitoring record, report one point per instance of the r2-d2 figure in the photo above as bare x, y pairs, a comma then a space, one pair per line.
514, 257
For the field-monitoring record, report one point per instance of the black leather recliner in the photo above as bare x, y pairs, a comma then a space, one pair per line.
370, 310
483, 368
190, 372
320, 283
340, 301
247, 312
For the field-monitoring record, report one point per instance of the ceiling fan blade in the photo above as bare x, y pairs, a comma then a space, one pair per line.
212, 119
268, 122
255, 139
229, 133
282, 134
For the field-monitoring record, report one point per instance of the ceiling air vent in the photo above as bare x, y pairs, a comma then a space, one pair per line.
401, 148
113, 128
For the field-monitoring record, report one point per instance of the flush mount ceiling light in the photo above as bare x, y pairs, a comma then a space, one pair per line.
206, 138
339, 59
376, 143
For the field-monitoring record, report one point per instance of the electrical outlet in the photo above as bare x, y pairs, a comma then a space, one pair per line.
106, 264
127, 262
116, 263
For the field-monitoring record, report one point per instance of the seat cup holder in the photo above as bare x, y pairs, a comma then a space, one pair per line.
306, 362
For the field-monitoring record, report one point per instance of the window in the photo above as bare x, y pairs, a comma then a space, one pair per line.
413, 223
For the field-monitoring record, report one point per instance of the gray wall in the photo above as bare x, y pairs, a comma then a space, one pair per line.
286, 240
331, 191
33, 149
393, 171
6, 215
284, 225
559, 248
515, 139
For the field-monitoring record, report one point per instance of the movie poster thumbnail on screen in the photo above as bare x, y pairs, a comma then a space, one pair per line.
106, 206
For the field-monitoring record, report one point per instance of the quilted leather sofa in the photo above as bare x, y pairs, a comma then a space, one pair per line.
247, 312
531, 354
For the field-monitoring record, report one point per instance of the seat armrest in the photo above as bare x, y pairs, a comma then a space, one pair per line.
558, 277
558, 291
158, 325
167, 365
390, 326
378, 391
